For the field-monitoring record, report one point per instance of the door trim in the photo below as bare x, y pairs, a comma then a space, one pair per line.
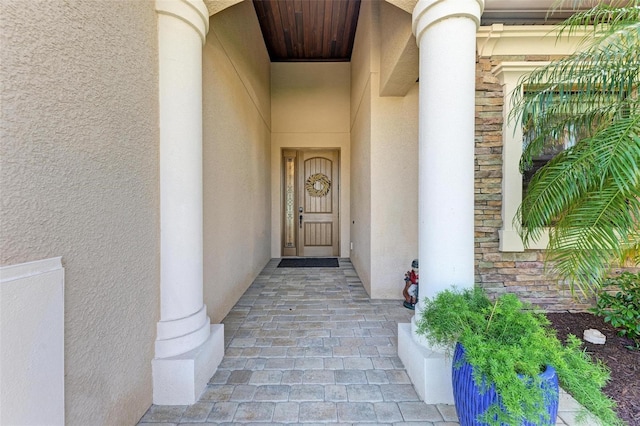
293, 190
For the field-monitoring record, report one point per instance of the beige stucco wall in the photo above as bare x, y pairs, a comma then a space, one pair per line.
384, 168
236, 156
394, 199
310, 104
79, 179
398, 51
361, 71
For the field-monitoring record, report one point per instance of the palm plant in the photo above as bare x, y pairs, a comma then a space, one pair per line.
588, 196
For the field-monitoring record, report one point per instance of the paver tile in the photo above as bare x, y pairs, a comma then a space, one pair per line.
397, 393
163, 414
356, 412
376, 377
286, 412
358, 364
448, 412
217, 393
306, 393
254, 412
243, 393
335, 393
419, 411
197, 412
238, 377
318, 412
266, 377
387, 412
369, 393
350, 377
222, 412
319, 376
290, 377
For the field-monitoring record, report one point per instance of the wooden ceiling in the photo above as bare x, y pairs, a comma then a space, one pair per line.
308, 30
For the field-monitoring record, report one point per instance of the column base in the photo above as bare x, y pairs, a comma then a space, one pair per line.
181, 379
429, 370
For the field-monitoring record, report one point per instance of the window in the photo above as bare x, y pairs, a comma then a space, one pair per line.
556, 146
497, 41
513, 138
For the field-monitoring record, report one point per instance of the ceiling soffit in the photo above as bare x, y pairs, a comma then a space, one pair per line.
308, 30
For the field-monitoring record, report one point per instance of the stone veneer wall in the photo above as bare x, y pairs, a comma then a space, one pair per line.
499, 272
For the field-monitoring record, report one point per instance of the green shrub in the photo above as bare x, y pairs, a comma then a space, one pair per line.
506, 338
619, 304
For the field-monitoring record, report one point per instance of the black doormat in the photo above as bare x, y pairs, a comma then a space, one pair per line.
309, 262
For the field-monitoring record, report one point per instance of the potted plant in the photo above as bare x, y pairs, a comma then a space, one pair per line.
506, 349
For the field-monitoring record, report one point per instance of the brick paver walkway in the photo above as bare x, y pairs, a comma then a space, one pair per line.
308, 346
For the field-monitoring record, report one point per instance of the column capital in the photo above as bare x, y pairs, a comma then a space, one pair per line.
429, 12
192, 12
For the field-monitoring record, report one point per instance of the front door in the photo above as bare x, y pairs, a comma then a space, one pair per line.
311, 203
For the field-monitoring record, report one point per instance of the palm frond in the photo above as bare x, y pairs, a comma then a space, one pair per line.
582, 91
601, 228
588, 196
601, 18
555, 187
617, 149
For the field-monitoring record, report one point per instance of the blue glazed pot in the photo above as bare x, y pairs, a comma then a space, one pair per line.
471, 403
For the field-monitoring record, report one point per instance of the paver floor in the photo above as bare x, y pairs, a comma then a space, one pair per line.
308, 346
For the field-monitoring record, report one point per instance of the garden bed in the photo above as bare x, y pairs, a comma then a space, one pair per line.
624, 387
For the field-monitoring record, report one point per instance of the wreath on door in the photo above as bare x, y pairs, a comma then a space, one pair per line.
318, 185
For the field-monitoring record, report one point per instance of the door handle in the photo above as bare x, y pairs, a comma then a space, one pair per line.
300, 209
300, 221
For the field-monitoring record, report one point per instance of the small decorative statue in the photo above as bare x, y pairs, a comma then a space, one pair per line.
410, 291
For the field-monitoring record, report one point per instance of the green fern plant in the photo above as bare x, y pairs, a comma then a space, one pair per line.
506, 340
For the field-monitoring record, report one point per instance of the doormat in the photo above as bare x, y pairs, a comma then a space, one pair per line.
309, 262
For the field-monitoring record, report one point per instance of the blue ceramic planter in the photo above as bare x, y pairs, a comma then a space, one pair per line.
471, 403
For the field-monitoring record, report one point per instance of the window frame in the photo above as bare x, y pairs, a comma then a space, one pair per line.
509, 74
501, 40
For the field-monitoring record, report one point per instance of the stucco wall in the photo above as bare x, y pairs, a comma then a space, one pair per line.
384, 169
79, 179
310, 108
361, 71
236, 152
394, 201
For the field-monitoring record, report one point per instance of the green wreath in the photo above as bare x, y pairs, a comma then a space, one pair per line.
318, 185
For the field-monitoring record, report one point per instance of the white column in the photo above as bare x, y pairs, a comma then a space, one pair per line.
445, 31
188, 348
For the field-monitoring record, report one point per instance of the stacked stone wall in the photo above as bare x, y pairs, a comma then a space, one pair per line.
500, 272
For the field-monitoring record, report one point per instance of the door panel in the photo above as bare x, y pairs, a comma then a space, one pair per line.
319, 201
311, 186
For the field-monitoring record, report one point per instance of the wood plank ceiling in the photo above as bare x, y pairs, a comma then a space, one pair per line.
308, 30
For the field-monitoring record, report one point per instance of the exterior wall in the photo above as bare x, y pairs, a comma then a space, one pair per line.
385, 167
522, 273
79, 179
399, 53
394, 203
310, 108
236, 157
361, 71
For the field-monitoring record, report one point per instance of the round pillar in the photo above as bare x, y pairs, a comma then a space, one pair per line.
445, 31
183, 323
188, 348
